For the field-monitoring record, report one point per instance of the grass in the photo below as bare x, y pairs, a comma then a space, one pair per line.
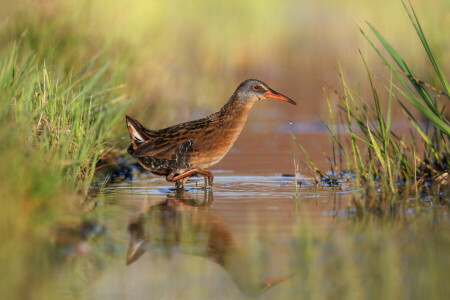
374, 153
68, 118
385, 253
53, 129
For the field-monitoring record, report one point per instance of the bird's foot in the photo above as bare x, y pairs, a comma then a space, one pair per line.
180, 179
179, 185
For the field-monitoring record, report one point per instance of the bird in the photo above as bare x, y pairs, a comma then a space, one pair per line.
191, 148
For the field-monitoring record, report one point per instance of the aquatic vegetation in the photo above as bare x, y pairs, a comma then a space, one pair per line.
371, 151
53, 130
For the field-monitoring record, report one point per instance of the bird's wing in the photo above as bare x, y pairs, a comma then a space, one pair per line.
164, 148
176, 141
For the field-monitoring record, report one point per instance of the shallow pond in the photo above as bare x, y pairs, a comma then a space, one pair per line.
268, 237
236, 238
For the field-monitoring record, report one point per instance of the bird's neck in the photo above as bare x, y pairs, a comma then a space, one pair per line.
228, 124
234, 113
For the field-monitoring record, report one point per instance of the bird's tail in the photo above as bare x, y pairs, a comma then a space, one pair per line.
138, 133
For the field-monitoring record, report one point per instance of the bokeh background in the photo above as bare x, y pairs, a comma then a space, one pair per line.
183, 59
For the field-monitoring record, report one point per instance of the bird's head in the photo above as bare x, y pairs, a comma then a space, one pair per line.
252, 90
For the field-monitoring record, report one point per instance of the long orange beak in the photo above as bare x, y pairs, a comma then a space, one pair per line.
276, 95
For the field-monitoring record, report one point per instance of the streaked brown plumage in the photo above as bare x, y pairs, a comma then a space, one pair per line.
180, 151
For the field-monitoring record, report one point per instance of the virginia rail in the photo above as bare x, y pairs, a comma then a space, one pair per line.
181, 151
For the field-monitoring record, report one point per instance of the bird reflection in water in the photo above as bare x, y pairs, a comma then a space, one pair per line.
186, 224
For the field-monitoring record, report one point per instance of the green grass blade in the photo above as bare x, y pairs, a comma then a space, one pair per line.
404, 67
415, 21
438, 122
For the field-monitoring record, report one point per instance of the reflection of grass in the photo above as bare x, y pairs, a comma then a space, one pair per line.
396, 252
374, 259
378, 153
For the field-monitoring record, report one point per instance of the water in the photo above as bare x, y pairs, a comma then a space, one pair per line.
249, 236
237, 238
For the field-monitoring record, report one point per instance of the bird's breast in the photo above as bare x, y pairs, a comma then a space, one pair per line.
219, 139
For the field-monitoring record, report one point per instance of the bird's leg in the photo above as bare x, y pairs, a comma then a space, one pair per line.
209, 177
172, 177
180, 183
178, 179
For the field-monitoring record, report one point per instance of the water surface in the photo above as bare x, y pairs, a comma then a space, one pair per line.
236, 238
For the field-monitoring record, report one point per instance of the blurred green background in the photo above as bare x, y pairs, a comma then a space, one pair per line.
183, 59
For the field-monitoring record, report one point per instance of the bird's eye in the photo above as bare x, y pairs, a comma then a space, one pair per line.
256, 87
